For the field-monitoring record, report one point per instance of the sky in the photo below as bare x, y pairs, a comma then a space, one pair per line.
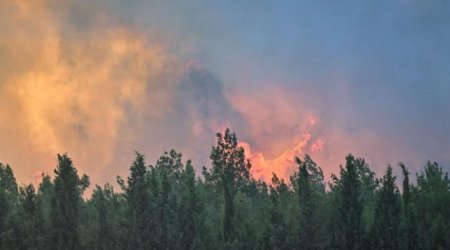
100, 79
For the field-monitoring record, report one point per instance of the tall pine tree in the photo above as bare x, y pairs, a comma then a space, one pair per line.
229, 170
409, 223
349, 232
66, 204
432, 202
386, 227
311, 190
138, 198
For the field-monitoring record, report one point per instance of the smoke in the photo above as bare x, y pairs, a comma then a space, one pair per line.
90, 85
100, 79
276, 129
68, 86
76, 78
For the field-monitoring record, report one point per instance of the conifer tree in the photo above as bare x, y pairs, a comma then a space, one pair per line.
189, 208
350, 207
387, 214
310, 190
44, 199
103, 235
277, 234
229, 170
66, 204
8, 202
166, 207
409, 224
432, 200
138, 198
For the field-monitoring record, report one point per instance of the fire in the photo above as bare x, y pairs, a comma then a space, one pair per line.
282, 164
280, 128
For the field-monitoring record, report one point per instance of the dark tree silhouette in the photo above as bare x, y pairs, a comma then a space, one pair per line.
229, 170
387, 214
166, 206
66, 204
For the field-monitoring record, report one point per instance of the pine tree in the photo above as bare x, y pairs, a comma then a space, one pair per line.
22, 227
310, 190
138, 198
431, 201
102, 216
350, 207
409, 225
66, 204
29, 216
438, 234
165, 207
277, 233
44, 199
387, 214
189, 208
229, 170
8, 204
167, 174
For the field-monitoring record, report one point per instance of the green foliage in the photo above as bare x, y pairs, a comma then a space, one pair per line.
166, 206
408, 225
386, 228
230, 170
138, 211
189, 209
348, 230
66, 204
105, 210
431, 203
280, 234
8, 194
310, 188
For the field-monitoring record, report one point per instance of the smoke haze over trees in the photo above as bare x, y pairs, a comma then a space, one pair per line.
169, 206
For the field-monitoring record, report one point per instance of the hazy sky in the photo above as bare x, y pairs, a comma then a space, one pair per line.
100, 79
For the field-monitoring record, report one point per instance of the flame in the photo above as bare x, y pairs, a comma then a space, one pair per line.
65, 88
282, 164
280, 128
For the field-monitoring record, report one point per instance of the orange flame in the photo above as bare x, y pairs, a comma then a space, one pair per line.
282, 164
281, 129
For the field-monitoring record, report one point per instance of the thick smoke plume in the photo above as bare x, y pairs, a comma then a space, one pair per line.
69, 86
100, 79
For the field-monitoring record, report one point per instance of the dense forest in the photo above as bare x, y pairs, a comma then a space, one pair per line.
168, 206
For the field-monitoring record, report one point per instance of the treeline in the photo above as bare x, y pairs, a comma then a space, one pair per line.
167, 206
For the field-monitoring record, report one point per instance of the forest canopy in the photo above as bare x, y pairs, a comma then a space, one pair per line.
168, 205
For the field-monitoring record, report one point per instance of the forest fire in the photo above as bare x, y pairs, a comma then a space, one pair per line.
132, 124
283, 163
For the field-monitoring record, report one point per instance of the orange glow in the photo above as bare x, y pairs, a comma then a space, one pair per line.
317, 146
282, 165
312, 120
280, 128
68, 94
